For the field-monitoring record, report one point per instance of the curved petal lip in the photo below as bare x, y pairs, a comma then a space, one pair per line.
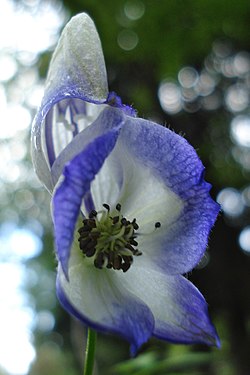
49, 102
73, 311
179, 309
125, 332
216, 342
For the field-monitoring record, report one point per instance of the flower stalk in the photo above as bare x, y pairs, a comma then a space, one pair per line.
90, 352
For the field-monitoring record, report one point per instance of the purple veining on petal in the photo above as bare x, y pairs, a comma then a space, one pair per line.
62, 106
76, 107
79, 106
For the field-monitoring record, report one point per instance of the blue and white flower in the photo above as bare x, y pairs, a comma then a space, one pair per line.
131, 210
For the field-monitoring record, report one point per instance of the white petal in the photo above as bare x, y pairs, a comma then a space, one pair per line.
98, 299
141, 194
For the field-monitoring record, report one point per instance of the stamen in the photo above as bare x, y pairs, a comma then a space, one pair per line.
106, 206
156, 226
109, 239
118, 207
92, 214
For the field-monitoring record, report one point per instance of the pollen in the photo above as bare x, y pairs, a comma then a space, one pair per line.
109, 239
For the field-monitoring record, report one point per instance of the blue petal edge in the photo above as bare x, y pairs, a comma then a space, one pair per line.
115, 101
134, 322
174, 161
193, 324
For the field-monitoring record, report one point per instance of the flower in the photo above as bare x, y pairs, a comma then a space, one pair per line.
131, 210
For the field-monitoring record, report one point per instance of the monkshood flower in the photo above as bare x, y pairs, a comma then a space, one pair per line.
131, 210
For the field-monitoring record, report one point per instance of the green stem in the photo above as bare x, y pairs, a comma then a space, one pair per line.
90, 352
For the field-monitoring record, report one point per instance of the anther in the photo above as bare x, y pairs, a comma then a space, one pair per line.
84, 242
124, 221
137, 252
133, 242
130, 247
99, 260
90, 252
115, 219
92, 214
92, 223
135, 226
117, 262
94, 235
118, 207
127, 262
157, 224
105, 205
84, 230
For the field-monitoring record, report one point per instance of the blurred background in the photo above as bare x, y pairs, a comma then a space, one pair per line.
183, 63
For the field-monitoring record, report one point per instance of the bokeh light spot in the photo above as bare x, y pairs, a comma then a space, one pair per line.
18, 243
206, 84
127, 40
240, 130
231, 202
242, 63
236, 98
170, 97
244, 239
246, 196
14, 118
45, 321
134, 9
188, 77
8, 67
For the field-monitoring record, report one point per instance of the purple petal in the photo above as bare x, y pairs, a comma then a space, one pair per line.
78, 174
187, 320
173, 161
102, 303
115, 101
179, 309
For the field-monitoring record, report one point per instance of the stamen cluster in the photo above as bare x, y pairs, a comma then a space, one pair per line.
109, 239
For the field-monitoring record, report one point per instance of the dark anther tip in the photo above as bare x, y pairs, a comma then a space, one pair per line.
124, 221
118, 207
92, 214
